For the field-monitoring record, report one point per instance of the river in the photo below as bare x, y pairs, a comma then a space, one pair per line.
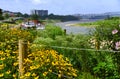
75, 29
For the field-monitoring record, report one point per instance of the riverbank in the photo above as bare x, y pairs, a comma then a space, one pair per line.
82, 25
87, 24
70, 28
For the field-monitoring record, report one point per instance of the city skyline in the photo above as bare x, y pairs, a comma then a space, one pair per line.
62, 7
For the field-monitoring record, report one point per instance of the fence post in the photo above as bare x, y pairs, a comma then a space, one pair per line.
64, 31
21, 58
22, 55
97, 44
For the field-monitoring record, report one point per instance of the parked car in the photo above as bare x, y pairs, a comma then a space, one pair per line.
28, 24
31, 24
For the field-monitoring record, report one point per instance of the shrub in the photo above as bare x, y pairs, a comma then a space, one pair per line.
53, 31
46, 63
106, 36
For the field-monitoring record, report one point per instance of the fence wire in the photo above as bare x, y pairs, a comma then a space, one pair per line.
62, 47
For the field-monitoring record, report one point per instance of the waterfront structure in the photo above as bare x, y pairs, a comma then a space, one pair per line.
40, 12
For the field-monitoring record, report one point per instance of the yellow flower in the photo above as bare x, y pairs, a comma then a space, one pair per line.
8, 54
27, 74
29, 55
8, 72
53, 63
2, 59
59, 75
33, 67
67, 59
15, 64
13, 57
1, 53
74, 74
15, 52
1, 66
7, 51
36, 77
60, 71
14, 75
33, 74
38, 65
69, 73
9, 46
48, 60
56, 63
21, 77
28, 60
45, 73
1, 75
50, 70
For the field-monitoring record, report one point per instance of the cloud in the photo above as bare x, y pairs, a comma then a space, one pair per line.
36, 2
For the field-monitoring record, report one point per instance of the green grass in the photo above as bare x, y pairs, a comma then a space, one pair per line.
86, 75
88, 24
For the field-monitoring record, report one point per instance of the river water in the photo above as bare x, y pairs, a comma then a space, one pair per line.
76, 29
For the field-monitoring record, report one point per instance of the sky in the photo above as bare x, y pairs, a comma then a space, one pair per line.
62, 7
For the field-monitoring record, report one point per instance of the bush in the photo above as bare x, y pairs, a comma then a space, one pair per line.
53, 31
106, 37
41, 64
48, 62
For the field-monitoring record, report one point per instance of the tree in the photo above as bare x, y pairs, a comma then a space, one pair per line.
34, 17
1, 17
0, 11
19, 14
6, 16
25, 15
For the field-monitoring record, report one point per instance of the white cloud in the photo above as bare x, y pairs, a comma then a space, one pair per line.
36, 2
